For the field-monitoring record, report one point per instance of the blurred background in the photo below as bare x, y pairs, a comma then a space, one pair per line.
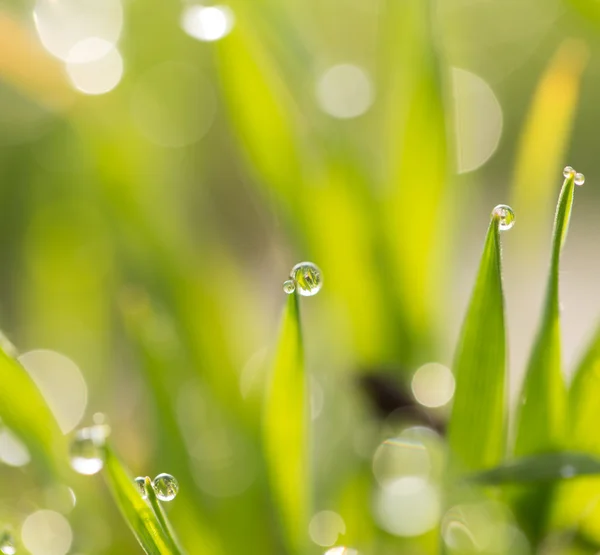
163, 165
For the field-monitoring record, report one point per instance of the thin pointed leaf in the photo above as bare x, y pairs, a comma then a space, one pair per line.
285, 429
138, 514
542, 406
577, 502
416, 146
545, 138
260, 109
477, 429
540, 468
25, 411
160, 514
584, 405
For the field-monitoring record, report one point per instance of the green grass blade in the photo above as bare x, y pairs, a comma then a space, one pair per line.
577, 502
542, 405
139, 515
477, 428
416, 145
540, 468
545, 139
285, 429
261, 110
584, 408
25, 411
161, 517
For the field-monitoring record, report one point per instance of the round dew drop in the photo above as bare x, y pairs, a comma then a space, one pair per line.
308, 278
289, 286
7, 544
568, 172
140, 484
506, 215
579, 179
86, 452
166, 487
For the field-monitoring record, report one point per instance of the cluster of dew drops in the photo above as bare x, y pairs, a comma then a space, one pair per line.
165, 486
305, 278
579, 178
87, 453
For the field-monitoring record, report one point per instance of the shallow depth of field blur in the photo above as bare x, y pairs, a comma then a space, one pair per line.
163, 165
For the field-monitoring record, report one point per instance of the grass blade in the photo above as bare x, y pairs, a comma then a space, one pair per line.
545, 138
285, 429
260, 109
416, 145
24, 410
139, 515
542, 406
584, 408
577, 502
540, 468
477, 429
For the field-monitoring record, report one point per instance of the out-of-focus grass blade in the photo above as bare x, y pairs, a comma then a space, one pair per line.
543, 400
260, 109
545, 137
24, 410
285, 429
540, 468
477, 428
138, 514
416, 150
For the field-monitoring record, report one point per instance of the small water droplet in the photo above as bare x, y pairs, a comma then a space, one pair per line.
308, 278
140, 484
87, 449
568, 172
7, 543
289, 286
579, 179
506, 215
165, 486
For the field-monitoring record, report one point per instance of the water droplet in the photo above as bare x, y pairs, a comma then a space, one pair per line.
140, 484
579, 179
308, 278
165, 487
506, 215
7, 543
289, 286
87, 449
568, 172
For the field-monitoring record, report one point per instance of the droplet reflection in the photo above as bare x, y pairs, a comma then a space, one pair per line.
308, 278
166, 487
506, 215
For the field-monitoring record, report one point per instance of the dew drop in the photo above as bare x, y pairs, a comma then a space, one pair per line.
579, 179
140, 484
7, 543
166, 487
568, 172
308, 278
289, 286
87, 449
506, 215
